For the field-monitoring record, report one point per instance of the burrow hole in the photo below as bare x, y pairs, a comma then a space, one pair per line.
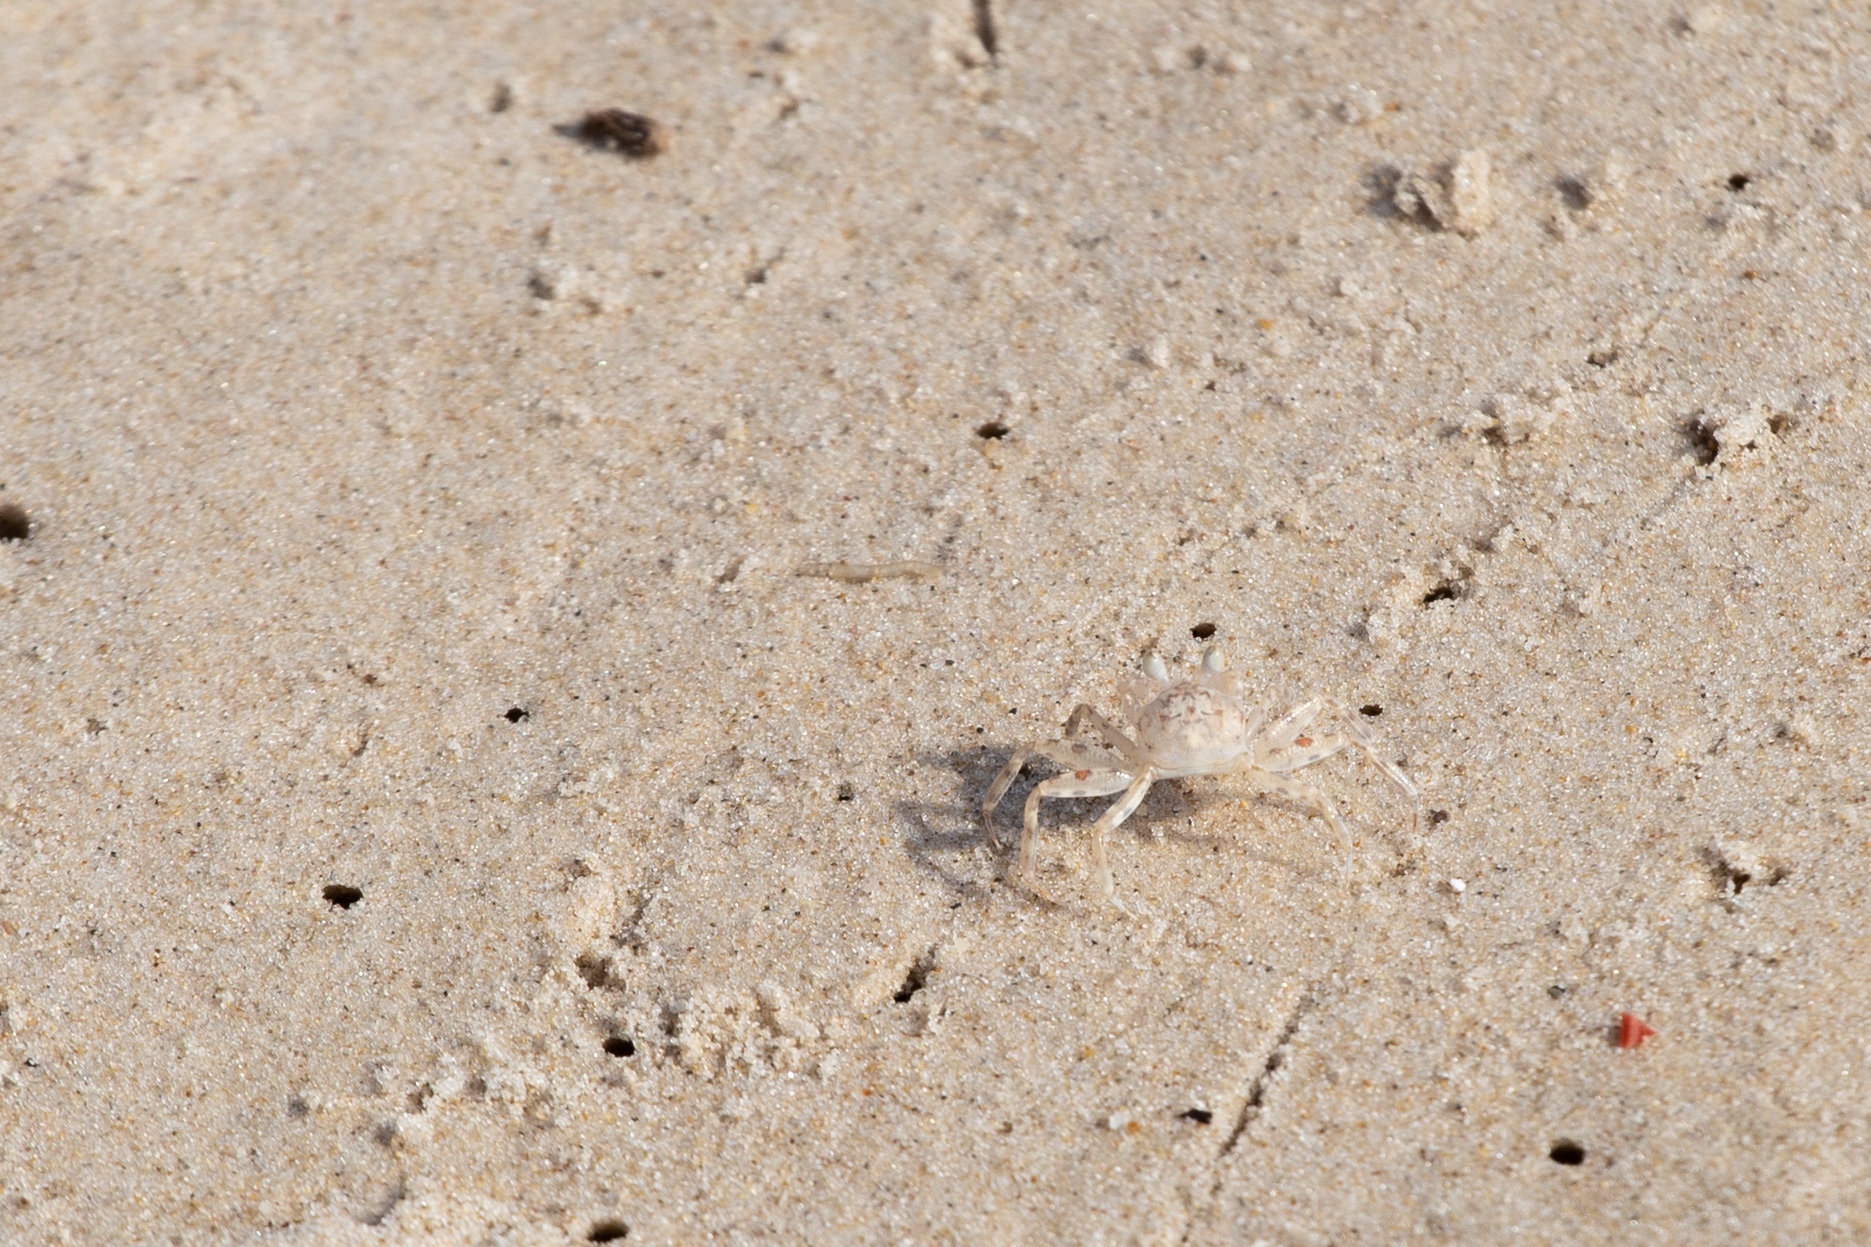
1739, 181
1444, 592
1370, 710
1438, 817
847, 791
517, 714
609, 1230
594, 968
1202, 631
1703, 443
993, 430
1200, 1116
914, 981
620, 1046
1731, 878
15, 524
343, 895
1566, 1152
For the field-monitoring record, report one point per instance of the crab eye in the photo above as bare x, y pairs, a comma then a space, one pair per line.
1154, 668
1213, 660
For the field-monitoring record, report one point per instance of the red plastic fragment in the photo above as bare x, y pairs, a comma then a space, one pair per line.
1633, 1030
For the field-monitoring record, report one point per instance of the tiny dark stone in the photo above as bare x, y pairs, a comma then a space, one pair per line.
1438, 817
342, 895
1566, 1152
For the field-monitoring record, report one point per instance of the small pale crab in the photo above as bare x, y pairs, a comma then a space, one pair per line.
1199, 726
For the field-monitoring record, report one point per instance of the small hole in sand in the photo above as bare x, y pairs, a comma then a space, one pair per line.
342, 895
15, 524
992, 430
1566, 1152
1739, 181
1438, 817
1370, 710
594, 968
516, 715
1200, 1116
620, 1045
1441, 593
608, 1230
912, 983
1731, 877
1202, 631
847, 791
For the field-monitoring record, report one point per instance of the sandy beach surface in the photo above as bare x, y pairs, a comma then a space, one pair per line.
436, 809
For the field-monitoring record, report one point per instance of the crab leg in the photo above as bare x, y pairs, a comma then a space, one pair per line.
1072, 755
1366, 739
1290, 726
1113, 734
1110, 820
998, 789
1077, 784
1297, 759
1285, 786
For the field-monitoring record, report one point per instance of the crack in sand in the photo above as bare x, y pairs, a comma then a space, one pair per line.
1251, 1108
1257, 1093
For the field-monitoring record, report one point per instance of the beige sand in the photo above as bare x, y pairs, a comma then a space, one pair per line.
417, 495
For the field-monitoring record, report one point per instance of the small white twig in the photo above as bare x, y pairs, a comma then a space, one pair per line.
863, 573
